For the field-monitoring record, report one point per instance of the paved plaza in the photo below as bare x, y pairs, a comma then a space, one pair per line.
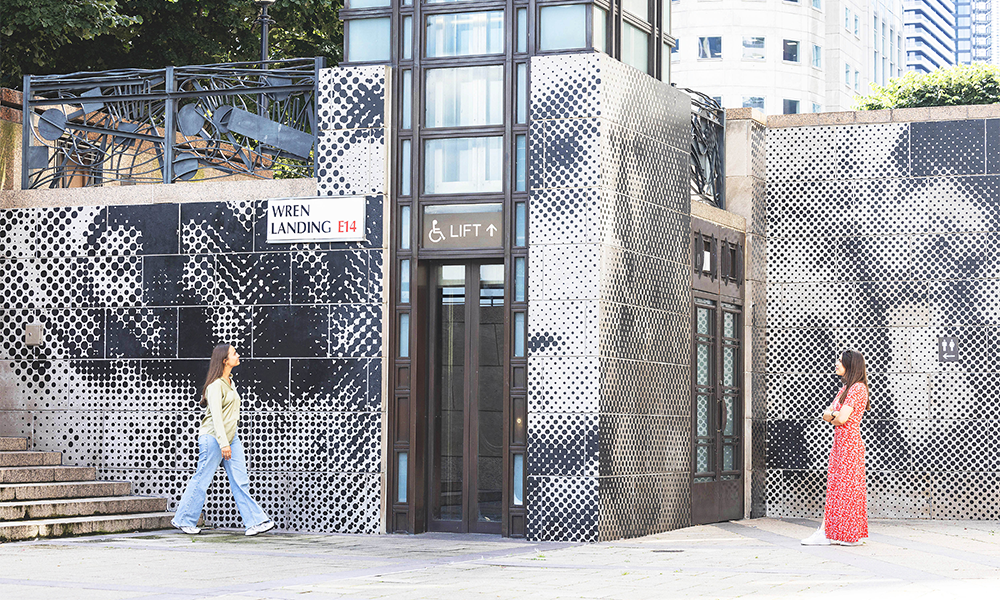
759, 558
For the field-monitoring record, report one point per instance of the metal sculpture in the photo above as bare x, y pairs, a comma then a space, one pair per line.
173, 124
708, 155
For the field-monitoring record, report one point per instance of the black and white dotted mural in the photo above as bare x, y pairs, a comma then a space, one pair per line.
609, 302
886, 238
133, 299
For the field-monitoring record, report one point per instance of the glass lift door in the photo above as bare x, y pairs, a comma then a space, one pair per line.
466, 339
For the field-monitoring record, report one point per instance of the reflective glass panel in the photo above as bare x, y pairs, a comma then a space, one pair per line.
635, 47
563, 27
407, 37
522, 93
730, 420
449, 396
522, 30
464, 96
367, 3
727, 457
404, 282
518, 480
465, 34
728, 366
407, 167
519, 280
520, 162
728, 325
600, 29
753, 48
407, 99
519, 334
520, 224
489, 469
404, 228
639, 8
404, 335
401, 463
463, 165
704, 321
368, 39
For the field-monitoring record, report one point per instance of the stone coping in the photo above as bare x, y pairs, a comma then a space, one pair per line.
156, 193
707, 212
895, 115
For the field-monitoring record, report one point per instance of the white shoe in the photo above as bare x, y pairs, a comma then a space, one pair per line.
265, 526
187, 530
818, 538
843, 543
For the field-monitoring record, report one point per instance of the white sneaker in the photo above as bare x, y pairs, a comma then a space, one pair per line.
843, 543
818, 538
187, 530
265, 526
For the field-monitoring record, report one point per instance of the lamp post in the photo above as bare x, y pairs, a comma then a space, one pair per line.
264, 21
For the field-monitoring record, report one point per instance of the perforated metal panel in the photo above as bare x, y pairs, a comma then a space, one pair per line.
884, 238
133, 299
608, 399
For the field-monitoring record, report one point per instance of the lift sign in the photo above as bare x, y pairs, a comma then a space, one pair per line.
322, 219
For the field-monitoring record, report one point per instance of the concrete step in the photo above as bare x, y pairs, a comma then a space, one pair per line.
73, 489
80, 507
22, 458
8, 444
40, 474
25, 530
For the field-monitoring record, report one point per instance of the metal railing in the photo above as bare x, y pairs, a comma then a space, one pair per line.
173, 124
708, 150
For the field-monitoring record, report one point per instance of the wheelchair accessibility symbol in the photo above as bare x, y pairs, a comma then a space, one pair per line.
435, 235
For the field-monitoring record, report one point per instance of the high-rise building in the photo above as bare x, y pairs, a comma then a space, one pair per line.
787, 56
931, 33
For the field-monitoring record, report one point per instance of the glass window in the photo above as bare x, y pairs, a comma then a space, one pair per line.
875, 34
790, 50
753, 48
463, 165
522, 30
520, 163
404, 282
404, 335
407, 99
817, 56
790, 107
857, 25
367, 3
520, 224
665, 59
817, 4
522, 93
857, 80
635, 47
847, 74
600, 29
367, 39
675, 52
847, 18
639, 8
407, 38
465, 33
817, 108
563, 27
754, 102
404, 227
404, 186
401, 472
710, 47
464, 96
665, 6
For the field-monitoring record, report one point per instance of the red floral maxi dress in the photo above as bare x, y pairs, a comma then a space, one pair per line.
846, 516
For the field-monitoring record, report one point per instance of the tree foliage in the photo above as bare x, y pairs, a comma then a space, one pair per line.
978, 83
65, 36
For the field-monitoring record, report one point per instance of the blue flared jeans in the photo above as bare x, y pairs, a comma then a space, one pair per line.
209, 457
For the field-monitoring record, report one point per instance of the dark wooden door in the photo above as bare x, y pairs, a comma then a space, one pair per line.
466, 350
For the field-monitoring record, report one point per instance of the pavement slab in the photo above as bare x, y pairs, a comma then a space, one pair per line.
759, 558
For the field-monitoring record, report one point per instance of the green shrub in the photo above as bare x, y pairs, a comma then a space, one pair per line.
978, 83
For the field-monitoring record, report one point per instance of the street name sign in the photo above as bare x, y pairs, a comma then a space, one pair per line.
316, 219
452, 226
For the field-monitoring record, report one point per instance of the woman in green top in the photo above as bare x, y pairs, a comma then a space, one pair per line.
218, 442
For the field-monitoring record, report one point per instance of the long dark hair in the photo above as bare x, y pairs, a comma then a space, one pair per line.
854, 372
215, 368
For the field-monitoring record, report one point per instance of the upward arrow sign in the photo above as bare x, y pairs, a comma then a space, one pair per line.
492, 229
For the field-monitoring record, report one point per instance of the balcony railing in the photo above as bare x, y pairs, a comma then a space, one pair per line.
174, 124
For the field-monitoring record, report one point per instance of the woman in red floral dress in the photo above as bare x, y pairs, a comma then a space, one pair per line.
846, 518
